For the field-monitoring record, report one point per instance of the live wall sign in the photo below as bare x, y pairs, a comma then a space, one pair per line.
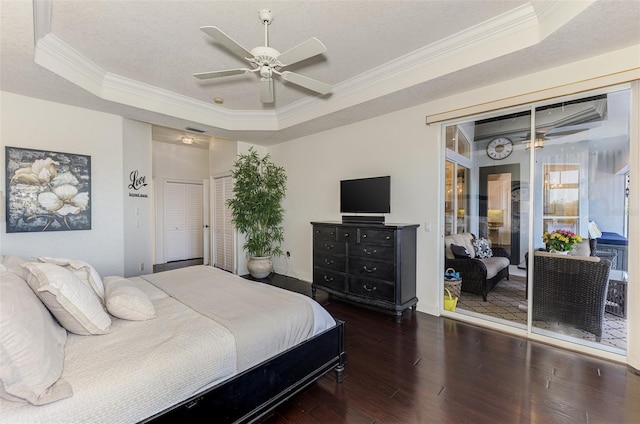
136, 183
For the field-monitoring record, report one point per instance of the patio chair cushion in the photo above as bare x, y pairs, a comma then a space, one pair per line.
494, 265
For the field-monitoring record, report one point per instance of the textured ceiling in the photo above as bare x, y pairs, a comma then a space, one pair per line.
136, 58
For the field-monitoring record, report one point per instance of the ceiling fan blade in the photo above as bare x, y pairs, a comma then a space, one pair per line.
222, 38
306, 82
266, 90
224, 73
302, 51
553, 133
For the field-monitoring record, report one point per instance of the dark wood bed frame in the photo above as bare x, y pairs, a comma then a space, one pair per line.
252, 394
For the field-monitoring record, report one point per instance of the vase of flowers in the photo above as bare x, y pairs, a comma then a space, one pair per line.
560, 241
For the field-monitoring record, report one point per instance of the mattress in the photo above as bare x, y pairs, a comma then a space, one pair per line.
143, 367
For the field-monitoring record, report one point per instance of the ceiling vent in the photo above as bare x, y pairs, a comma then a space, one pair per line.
195, 130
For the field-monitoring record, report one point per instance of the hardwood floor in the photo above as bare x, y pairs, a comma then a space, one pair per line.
177, 264
437, 370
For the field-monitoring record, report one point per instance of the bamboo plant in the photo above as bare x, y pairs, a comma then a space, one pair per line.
257, 212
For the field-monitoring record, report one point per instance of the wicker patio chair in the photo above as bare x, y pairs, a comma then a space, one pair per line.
571, 290
479, 276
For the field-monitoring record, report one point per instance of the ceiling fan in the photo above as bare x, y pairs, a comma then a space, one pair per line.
544, 135
268, 61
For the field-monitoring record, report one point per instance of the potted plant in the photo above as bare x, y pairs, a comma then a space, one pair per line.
560, 241
256, 208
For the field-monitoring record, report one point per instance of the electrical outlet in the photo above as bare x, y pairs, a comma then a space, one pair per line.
142, 266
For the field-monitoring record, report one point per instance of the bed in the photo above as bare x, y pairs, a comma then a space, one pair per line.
217, 346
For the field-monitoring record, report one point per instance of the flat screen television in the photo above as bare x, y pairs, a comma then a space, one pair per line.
366, 195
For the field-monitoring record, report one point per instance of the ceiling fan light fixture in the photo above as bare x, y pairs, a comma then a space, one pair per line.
267, 61
537, 144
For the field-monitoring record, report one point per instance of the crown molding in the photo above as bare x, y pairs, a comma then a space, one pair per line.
514, 30
41, 19
522, 23
55, 55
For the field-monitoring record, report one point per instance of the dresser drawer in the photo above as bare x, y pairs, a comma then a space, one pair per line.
329, 261
372, 289
324, 233
372, 235
348, 234
372, 269
329, 279
372, 251
329, 246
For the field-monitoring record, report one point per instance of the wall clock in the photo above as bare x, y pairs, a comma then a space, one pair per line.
499, 148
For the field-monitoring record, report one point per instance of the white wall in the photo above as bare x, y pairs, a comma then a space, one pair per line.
222, 155
397, 144
38, 124
173, 162
138, 199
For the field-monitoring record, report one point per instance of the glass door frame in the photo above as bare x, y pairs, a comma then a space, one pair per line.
532, 107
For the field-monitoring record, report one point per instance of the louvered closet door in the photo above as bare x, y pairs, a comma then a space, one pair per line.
183, 220
194, 223
223, 227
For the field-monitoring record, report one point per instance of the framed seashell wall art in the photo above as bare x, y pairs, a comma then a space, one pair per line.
47, 191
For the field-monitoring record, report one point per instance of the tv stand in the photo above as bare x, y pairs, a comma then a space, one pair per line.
371, 264
355, 219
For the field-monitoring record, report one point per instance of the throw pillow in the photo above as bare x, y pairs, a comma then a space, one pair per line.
126, 301
460, 252
14, 263
85, 272
482, 247
31, 346
76, 306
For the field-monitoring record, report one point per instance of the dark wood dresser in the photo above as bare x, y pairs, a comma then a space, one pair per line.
370, 264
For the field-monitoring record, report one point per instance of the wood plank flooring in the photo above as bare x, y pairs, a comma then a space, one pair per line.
438, 370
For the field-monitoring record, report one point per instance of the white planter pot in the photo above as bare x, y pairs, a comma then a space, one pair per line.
260, 267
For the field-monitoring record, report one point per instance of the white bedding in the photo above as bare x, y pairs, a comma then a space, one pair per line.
256, 313
142, 367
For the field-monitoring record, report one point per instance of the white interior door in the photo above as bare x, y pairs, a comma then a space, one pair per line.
224, 241
183, 221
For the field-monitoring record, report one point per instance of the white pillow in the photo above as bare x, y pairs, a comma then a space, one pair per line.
31, 346
126, 301
14, 263
75, 305
85, 272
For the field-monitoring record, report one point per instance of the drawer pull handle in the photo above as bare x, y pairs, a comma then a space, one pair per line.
367, 269
369, 289
387, 238
329, 246
369, 252
346, 234
364, 236
329, 261
328, 279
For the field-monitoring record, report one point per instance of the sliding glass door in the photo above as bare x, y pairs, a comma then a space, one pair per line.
546, 186
581, 166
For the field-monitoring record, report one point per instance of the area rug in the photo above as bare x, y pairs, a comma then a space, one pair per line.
507, 302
